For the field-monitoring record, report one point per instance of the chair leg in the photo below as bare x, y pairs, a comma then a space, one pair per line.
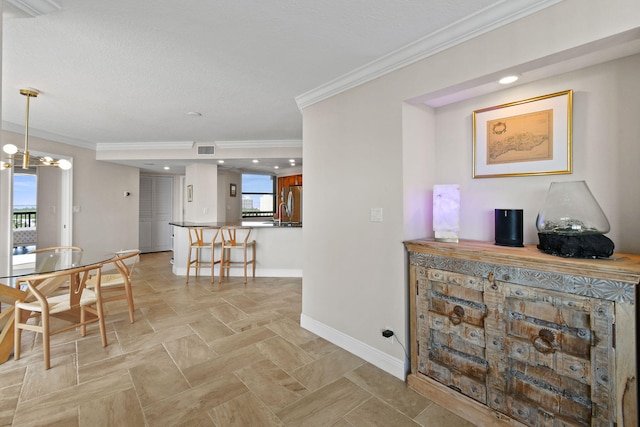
223, 263
253, 259
83, 325
188, 265
103, 332
130, 303
17, 334
245, 265
46, 340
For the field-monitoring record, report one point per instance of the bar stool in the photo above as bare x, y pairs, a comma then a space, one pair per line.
197, 244
237, 238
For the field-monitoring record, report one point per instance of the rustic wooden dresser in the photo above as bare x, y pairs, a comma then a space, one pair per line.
513, 336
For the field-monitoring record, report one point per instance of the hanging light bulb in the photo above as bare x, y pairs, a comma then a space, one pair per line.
17, 156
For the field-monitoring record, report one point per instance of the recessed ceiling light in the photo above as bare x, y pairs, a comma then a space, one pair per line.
507, 80
276, 167
292, 164
255, 161
221, 161
292, 161
166, 168
194, 114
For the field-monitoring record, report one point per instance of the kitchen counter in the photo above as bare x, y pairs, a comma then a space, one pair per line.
278, 254
253, 224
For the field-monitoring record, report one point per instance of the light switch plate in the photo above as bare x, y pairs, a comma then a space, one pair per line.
376, 214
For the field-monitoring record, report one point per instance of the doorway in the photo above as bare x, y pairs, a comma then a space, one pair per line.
51, 223
25, 196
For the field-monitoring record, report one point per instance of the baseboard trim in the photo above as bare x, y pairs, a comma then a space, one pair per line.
237, 272
382, 360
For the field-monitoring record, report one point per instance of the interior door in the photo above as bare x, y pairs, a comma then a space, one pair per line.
156, 202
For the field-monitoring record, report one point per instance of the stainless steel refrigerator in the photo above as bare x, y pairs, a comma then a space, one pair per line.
292, 198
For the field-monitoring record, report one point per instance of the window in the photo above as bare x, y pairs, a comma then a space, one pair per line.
257, 195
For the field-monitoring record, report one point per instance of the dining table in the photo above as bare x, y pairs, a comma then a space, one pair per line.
54, 260
38, 262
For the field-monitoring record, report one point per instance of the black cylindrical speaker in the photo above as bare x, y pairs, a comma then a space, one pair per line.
509, 227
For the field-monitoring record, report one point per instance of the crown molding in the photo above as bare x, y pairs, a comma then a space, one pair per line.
265, 143
131, 146
485, 20
12, 127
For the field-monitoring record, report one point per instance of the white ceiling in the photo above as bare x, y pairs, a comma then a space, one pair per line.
123, 71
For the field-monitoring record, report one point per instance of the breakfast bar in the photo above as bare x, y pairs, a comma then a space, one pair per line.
278, 246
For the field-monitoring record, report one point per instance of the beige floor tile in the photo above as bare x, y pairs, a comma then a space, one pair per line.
324, 406
342, 423
292, 332
437, 416
124, 329
326, 369
118, 409
209, 328
222, 365
244, 303
64, 403
273, 386
190, 407
117, 365
255, 321
376, 413
242, 339
8, 402
149, 340
227, 313
158, 311
189, 351
157, 378
90, 349
389, 389
11, 374
244, 411
39, 381
284, 354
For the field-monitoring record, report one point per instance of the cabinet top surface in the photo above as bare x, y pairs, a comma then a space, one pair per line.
622, 266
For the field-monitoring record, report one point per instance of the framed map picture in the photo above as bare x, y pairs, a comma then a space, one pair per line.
529, 137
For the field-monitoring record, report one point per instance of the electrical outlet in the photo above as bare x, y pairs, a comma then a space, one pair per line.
385, 331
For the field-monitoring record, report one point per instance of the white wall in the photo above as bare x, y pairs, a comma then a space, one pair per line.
605, 97
355, 272
229, 208
106, 219
204, 205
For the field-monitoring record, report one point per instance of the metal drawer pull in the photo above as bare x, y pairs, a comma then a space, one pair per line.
544, 341
456, 315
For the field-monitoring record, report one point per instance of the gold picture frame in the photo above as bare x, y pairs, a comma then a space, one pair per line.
524, 138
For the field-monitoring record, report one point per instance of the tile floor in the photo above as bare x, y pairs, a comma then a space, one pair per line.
205, 355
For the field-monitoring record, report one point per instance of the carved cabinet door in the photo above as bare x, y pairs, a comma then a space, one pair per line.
451, 337
558, 354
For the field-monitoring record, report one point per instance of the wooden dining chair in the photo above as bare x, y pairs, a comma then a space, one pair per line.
115, 283
78, 305
197, 245
236, 238
55, 250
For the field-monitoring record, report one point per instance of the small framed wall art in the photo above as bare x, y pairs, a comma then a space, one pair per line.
232, 190
189, 193
522, 138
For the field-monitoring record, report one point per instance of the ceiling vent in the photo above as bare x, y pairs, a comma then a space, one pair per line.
206, 149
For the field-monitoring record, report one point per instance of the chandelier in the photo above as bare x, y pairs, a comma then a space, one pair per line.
17, 156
